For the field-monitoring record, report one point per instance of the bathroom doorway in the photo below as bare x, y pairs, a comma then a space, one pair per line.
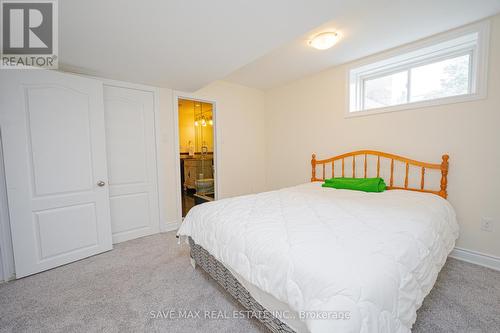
196, 123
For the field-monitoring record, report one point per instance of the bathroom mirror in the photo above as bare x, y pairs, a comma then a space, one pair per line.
196, 146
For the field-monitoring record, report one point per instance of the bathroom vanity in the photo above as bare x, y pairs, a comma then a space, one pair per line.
198, 167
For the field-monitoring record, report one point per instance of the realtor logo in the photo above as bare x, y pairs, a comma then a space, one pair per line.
29, 34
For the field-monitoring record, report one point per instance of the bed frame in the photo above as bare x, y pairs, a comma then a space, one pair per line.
443, 167
217, 271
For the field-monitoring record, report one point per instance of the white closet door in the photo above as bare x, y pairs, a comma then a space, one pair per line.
52, 127
130, 138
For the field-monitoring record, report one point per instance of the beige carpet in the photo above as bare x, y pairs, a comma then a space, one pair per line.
126, 289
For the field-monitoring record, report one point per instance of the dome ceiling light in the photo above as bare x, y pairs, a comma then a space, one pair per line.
324, 40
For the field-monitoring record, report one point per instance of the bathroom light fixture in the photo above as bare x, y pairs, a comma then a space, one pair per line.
324, 40
196, 123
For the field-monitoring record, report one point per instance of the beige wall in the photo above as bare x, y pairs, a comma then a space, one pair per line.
240, 130
307, 116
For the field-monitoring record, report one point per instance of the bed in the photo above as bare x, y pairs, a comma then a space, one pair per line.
313, 259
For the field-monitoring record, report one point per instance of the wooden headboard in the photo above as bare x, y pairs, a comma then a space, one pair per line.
443, 167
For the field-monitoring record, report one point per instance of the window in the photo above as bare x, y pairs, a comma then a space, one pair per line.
447, 69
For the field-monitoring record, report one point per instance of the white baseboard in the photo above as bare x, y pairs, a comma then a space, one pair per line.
477, 258
6, 278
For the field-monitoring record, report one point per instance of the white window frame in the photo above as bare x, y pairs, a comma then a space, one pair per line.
472, 40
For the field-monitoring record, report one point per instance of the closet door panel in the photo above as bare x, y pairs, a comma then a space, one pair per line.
52, 127
130, 140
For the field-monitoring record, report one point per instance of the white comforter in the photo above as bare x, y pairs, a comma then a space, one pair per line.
375, 255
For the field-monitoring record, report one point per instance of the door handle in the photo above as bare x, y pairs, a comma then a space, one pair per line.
101, 183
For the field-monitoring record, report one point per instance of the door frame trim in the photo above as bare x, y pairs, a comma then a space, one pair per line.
193, 97
162, 223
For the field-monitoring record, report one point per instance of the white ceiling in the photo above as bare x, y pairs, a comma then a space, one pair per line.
181, 44
373, 27
186, 44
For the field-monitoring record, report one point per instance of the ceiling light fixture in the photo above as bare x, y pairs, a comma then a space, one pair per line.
324, 40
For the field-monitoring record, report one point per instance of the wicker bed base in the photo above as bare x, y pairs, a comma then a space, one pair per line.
227, 280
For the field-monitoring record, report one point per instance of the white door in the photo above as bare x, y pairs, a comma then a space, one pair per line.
130, 139
52, 127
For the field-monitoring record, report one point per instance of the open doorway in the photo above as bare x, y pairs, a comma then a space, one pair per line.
196, 150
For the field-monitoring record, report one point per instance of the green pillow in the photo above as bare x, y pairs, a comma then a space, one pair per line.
357, 184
